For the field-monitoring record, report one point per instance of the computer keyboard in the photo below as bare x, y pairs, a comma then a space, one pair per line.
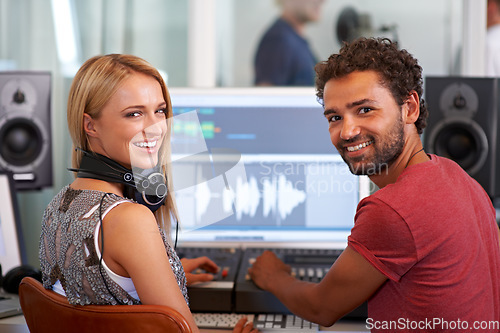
267, 322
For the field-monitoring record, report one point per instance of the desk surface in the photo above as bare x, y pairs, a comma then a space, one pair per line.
17, 324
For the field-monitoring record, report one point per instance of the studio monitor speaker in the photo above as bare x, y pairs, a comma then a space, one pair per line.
25, 131
463, 123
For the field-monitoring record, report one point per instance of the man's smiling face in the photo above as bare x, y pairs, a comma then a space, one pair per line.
365, 122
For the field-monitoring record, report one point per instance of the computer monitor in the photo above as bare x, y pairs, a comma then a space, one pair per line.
296, 189
12, 253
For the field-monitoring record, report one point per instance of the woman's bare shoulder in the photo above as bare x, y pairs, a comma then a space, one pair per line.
130, 215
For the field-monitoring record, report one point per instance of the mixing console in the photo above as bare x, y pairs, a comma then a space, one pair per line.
233, 291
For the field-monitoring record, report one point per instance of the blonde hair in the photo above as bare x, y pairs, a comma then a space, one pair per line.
93, 85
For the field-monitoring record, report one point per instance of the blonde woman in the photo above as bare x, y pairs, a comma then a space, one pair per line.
102, 242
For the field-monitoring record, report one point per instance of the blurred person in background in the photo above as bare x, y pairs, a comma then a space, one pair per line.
284, 57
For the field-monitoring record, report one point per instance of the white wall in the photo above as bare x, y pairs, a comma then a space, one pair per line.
429, 29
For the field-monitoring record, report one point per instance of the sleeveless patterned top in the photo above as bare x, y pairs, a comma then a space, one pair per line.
67, 251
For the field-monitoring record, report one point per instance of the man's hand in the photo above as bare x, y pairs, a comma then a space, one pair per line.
266, 269
203, 263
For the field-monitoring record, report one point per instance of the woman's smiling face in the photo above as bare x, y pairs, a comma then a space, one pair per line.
132, 125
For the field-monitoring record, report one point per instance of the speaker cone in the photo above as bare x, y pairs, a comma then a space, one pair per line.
461, 140
20, 142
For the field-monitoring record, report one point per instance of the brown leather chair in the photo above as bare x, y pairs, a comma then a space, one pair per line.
47, 311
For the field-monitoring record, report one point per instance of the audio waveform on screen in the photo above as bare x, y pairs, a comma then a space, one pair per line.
278, 198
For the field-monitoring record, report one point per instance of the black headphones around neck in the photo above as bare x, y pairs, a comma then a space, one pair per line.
146, 186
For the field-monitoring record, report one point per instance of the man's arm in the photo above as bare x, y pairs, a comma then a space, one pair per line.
350, 281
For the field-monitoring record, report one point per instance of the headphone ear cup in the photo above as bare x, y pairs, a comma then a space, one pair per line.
152, 202
150, 189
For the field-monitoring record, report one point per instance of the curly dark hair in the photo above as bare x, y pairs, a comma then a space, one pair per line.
399, 70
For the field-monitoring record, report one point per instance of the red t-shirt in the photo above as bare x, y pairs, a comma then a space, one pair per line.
433, 233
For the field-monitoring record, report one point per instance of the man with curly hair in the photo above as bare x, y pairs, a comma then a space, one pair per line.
424, 250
